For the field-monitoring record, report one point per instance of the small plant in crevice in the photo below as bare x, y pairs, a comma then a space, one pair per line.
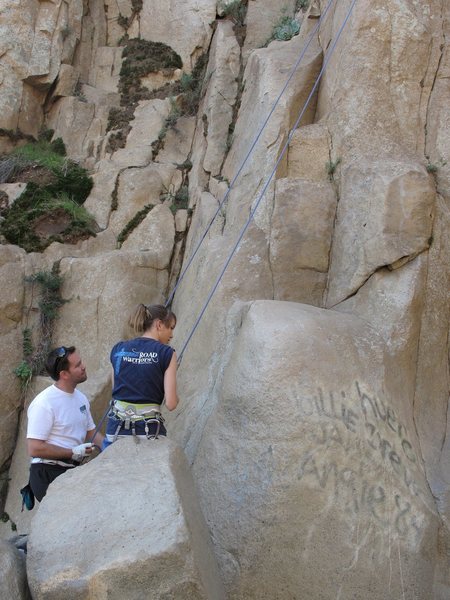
235, 9
66, 31
47, 285
125, 22
24, 372
133, 223
435, 166
179, 199
78, 93
331, 167
301, 5
115, 195
190, 87
169, 123
285, 29
141, 58
185, 166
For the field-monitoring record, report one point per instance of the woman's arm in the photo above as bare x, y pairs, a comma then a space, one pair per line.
170, 384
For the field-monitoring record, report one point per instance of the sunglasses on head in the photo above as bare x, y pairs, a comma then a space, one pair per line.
61, 354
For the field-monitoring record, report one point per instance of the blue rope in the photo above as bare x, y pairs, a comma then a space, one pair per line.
255, 141
252, 212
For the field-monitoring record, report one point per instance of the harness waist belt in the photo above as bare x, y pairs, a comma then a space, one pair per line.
47, 461
135, 411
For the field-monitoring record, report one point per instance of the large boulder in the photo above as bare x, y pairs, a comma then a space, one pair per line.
315, 486
98, 389
13, 579
148, 541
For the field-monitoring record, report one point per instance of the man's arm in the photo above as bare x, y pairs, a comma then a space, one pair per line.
42, 449
98, 439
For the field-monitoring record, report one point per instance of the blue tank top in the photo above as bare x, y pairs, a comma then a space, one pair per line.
139, 366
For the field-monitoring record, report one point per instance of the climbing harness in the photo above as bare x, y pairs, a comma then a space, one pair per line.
264, 189
128, 414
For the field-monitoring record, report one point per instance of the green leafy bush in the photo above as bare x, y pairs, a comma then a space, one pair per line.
24, 372
19, 226
56, 189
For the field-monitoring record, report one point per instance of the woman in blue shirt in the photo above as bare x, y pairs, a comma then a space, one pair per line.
144, 375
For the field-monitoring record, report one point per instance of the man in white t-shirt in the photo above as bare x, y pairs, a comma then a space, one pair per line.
59, 422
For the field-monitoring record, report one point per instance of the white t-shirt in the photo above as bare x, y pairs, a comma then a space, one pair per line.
59, 418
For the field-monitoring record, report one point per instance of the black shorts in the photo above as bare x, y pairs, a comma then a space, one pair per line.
41, 476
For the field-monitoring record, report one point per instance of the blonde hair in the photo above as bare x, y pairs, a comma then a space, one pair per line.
144, 316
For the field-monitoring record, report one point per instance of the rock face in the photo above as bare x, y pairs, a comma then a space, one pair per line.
315, 387
153, 545
314, 457
12, 295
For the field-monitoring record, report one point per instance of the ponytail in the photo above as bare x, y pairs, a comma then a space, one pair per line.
144, 316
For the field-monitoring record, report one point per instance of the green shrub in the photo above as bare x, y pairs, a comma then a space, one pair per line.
69, 177
35, 203
142, 58
24, 372
40, 152
55, 185
58, 146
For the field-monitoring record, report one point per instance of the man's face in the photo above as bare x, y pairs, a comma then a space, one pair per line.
76, 369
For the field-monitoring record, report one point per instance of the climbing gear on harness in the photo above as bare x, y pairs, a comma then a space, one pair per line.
27, 497
128, 414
